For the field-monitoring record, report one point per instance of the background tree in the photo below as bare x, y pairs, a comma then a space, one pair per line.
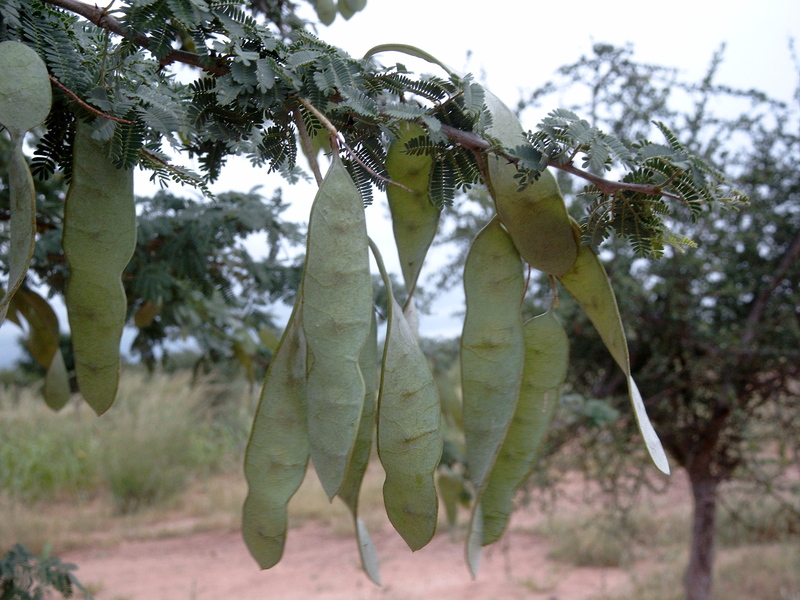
713, 330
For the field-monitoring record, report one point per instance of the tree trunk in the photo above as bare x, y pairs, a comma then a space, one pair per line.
697, 580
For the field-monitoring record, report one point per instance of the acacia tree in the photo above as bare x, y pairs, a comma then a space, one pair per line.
264, 87
715, 329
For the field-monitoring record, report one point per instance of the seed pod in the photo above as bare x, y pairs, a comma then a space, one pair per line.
25, 100
414, 218
337, 306
99, 239
326, 11
546, 359
492, 358
359, 460
277, 452
588, 283
536, 217
409, 429
44, 339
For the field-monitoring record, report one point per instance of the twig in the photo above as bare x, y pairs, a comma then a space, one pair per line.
88, 107
472, 141
101, 18
338, 138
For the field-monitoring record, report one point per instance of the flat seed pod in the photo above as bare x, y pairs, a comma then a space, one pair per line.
546, 359
25, 93
277, 452
492, 345
409, 429
536, 218
359, 460
326, 11
23, 221
337, 308
56, 389
414, 218
588, 283
99, 239
44, 339
492, 359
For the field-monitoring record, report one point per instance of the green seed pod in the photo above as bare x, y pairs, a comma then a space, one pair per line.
414, 218
25, 95
536, 218
25, 100
326, 11
44, 339
492, 359
492, 345
351, 486
277, 452
337, 308
409, 429
99, 239
546, 359
588, 283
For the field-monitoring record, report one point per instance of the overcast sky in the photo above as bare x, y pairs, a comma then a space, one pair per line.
516, 45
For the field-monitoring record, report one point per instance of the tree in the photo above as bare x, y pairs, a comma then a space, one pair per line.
261, 88
714, 330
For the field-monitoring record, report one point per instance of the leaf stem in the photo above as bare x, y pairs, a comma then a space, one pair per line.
88, 107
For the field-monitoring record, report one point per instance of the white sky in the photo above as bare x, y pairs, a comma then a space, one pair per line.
517, 45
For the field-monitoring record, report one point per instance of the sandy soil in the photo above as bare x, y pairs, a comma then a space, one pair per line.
322, 565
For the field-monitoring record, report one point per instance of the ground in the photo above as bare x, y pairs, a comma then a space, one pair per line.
321, 564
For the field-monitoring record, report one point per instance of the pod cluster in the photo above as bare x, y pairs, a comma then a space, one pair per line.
327, 393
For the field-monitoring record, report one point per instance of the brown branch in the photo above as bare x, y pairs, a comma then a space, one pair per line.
338, 138
102, 18
760, 305
88, 107
474, 142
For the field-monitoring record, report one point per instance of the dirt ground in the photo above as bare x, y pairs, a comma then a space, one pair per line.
322, 565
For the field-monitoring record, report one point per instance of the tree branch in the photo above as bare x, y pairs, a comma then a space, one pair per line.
472, 141
88, 107
760, 305
101, 18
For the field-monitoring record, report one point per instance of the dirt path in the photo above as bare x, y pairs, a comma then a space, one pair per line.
321, 565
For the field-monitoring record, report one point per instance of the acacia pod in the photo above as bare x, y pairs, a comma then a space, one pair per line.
359, 460
25, 93
337, 308
277, 451
414, 218
536, 217
492, 345
546, 359
588, 283
326, 11
25, 100
409, 429
492, 359
44, 339
99, 239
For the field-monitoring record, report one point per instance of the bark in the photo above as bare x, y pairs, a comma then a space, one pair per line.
697, 580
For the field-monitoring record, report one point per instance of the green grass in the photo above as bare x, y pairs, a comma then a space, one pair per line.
160, 431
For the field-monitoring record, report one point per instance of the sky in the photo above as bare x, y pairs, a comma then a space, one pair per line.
514, 46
